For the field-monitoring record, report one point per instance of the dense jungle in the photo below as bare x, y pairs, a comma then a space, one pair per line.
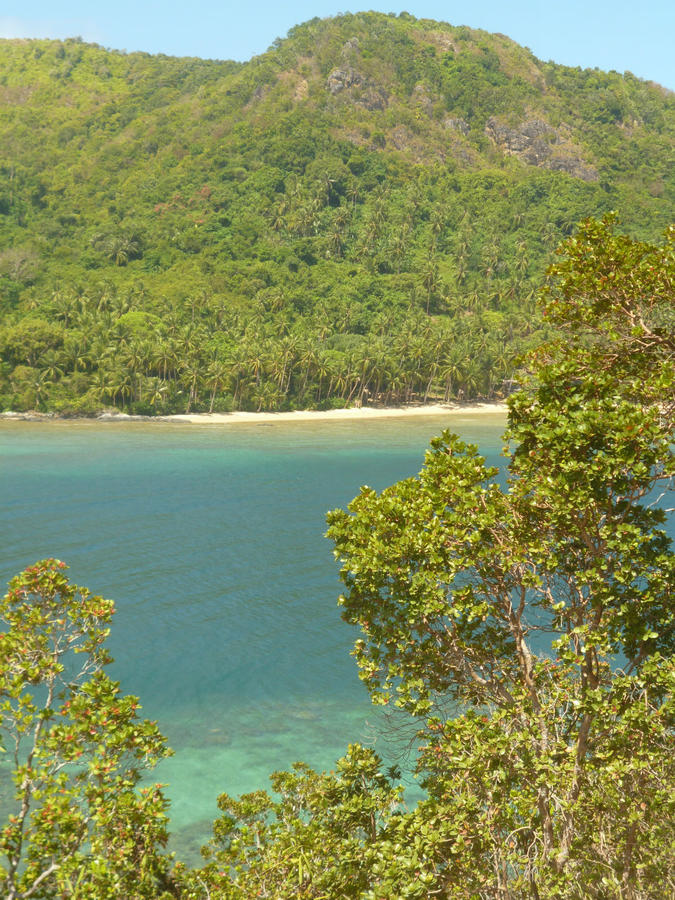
362, 214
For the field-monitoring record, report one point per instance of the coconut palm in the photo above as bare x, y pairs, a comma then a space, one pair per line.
190, 377
76, 356
279, 216
104, 384
120, 246
322, 370
164, 359
157, 392
267, 396
430, 278
216, 374
122, 386
51, 366
39, 384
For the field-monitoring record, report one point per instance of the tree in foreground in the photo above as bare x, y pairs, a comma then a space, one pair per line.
531, 626
527, 627
77, 824
312, 839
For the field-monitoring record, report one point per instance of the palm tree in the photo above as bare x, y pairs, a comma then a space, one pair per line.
395, 387
51, 366
340, 373
289, 348
522, 259
293, 186
134, 359
364, 359
490, 259
267, 396
550, 234
518, 218
120, 247
436, 347
451, 372
461, 268
353, 374
216, 374
323, 370
307, 218
430, 278
164, 358
307, 359
104, 384
256, 360
399, 247
472, 380
39, 383
437, 226
75, 356
105, 297
322, 318
190, 377
158, 391
336, 241
279, 216
121, 385
237, 369
382, 367
120, 304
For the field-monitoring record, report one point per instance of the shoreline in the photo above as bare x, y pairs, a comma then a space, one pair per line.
363, 413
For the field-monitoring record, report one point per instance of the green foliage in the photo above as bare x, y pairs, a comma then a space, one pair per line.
525, 627
531, 626
77, 825
370, 175
30, 340
311, 842
364, 214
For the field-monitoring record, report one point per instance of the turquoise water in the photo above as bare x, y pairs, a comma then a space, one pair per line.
210, 541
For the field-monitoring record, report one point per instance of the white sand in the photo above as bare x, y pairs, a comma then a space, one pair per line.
353, 413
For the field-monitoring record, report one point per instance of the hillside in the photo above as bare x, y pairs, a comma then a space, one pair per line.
362, 212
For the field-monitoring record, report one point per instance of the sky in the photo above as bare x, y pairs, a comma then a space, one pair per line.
623, 35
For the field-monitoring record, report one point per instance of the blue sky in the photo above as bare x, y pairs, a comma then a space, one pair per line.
621, 35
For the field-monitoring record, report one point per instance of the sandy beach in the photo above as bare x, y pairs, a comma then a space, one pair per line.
353, 413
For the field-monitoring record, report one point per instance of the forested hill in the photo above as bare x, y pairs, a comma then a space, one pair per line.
362, 212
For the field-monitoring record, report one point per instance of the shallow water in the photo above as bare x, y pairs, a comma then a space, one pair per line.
210, 541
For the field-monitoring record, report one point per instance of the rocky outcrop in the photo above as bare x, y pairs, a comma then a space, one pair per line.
342, 78
362, 92
351, 46
460, 125
373, 98
537, 143
530, 141
422, 100
573, 166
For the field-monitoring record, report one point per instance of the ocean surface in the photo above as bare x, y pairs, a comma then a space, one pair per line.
210, 541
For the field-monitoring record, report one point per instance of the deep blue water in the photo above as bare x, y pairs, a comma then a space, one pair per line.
210, 541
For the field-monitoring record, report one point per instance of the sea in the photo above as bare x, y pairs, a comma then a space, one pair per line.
210, 540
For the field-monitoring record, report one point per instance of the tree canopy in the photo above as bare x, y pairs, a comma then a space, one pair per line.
78, 825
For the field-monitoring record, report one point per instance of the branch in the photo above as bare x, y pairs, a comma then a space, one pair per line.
38, 881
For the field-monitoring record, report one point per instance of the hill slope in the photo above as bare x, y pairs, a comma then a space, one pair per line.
364, 210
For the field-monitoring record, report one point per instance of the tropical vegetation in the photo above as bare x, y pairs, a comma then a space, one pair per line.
361, 214
523, 628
